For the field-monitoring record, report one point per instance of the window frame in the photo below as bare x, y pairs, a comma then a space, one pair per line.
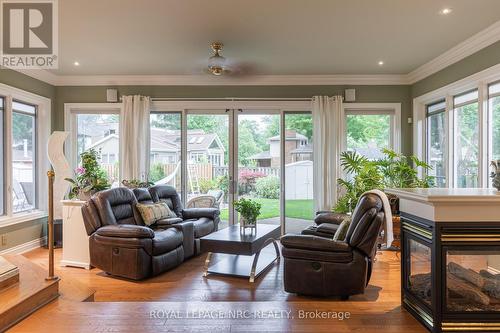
42, 165
489, 104
36, 150
454, 132
479, 81
429, 114
71, 112
392, 109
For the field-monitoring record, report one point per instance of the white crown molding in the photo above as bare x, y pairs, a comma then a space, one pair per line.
466, 48
42, 75
206, 80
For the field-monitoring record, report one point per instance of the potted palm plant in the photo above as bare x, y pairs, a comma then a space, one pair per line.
392, 171
249, 211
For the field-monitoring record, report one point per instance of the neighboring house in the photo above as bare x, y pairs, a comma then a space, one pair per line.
297, 148
166, 147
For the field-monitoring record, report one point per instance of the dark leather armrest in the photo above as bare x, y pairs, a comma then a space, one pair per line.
167, 221
328, 228
126, 231
196, 213
329, 217
187, 229
314, 243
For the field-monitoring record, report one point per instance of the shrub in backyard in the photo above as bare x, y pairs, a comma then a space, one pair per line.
207, 185
268, 187
247, 179
157, 172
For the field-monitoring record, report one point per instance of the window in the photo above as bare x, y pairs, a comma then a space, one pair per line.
101, 133
436, 142
369, 133
23, 156
460, 134
24, 131
466, 136
165, 147
2, 103
494, 122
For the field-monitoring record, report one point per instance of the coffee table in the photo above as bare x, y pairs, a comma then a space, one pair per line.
241, 251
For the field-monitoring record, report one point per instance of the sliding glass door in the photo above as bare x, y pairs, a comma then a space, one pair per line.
207, 161
214, 156
258, 157
298, 164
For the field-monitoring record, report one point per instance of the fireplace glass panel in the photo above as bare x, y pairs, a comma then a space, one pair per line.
473, 280
419, 279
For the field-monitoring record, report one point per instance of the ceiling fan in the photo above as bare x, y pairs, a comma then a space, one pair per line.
218, 65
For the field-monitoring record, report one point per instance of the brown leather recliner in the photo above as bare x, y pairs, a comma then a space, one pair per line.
205, 220
120, 243
319, 266
326, 224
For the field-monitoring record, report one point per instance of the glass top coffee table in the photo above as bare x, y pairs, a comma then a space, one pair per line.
241, 251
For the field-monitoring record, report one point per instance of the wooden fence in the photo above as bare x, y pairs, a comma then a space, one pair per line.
268, 171
202, 171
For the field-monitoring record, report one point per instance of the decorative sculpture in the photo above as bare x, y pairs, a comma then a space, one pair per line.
55, 151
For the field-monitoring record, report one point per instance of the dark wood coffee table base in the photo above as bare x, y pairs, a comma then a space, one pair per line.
243, 265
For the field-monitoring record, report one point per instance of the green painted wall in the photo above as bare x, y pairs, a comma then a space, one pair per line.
365, 94
27, 231
474, 63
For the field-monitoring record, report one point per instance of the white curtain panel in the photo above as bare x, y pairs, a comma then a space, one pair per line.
327, 115
135, 137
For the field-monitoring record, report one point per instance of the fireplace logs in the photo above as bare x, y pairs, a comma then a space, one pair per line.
467, 290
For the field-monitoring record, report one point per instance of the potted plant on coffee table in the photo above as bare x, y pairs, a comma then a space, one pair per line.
249, 211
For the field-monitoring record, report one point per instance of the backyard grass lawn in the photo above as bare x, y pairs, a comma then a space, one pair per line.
299, 209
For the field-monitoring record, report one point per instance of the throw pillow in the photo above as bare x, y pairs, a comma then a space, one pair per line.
151, 213
341, 232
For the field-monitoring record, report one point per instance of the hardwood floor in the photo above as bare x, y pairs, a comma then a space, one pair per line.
182, 300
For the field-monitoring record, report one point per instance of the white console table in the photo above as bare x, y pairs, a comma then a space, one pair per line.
75, 240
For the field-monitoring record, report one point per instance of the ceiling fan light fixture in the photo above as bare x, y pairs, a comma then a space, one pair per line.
216, 63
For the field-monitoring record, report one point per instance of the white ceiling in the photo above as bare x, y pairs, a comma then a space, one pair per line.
276, 37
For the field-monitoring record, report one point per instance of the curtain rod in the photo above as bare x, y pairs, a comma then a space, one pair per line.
229, 99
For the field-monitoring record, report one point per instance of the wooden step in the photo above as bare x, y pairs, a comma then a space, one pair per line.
31, 293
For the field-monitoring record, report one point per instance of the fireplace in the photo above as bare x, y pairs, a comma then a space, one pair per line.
451, 274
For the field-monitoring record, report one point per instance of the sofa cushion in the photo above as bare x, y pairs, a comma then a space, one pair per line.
202, 226
166, 240
153, 212
342, 230
328, 228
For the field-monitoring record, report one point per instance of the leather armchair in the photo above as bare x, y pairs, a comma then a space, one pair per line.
326, 224
319, 266
204, 220
121, 245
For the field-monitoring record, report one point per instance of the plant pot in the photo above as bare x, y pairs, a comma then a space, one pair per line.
85, 195
246, 223
496, 181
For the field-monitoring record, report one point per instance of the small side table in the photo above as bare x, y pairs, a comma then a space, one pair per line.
75, 240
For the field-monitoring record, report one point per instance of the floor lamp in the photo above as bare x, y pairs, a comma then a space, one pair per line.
50, 226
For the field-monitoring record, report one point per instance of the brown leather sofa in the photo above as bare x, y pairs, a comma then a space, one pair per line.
205, 220
122, 245
319, 266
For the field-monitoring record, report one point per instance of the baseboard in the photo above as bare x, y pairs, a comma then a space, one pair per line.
25, 247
